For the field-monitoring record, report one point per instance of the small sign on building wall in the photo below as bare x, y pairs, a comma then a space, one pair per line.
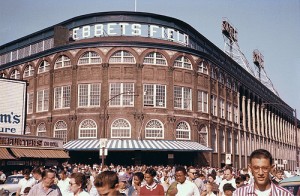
228, 159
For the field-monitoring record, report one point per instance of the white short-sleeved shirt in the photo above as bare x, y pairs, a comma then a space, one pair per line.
187, 188
23, 183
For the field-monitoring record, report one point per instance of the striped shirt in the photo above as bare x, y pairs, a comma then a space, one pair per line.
250, 190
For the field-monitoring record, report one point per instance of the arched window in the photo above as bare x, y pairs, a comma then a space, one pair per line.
203, 137
120, 128
60, 130
183, 62
41, 129
62, 61
202, 67
15, 74
214, 144
183, 131
87, 129
2, 75
29, 71
154, 129
122, 56
89, 58
44, 67
155, 58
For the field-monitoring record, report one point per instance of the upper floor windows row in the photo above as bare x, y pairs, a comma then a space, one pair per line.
120, 128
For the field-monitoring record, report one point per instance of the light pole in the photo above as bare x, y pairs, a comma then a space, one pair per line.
296, 131
105, 118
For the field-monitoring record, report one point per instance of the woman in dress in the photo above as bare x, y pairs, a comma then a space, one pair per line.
151, 187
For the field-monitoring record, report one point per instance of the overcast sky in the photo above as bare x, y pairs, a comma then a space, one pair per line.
271, 26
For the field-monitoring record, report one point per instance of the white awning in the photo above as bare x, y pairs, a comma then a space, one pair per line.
130, 145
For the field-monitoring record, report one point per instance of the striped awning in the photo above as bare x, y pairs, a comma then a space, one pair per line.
129, 145
4, 154
39, 153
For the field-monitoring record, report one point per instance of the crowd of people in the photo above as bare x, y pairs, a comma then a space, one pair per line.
260, 178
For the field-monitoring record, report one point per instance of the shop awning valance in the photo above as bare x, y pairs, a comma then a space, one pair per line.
5, 155
39, 153
129, 145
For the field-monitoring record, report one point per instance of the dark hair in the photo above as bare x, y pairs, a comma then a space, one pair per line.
80, 179
239, 180
140, 175
62, 172
228, 187
109, 178
261, 153
228, 168
180, 168
46, 171
37, 170
247, 176
26, 172
26, 190
214, 177
151, 172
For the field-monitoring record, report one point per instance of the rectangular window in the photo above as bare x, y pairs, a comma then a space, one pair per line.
222, 108
235, 113
213, 104
89, 95
182, 98
121, 94
202, 101
229, 142
155, 95
29, 103
229, 116
42, 100
62, 97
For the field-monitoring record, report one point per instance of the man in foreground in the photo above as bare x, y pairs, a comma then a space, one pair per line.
260, 166
46, 186
107, 183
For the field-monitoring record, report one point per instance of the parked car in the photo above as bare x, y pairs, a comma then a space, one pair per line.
292, 184
10, 185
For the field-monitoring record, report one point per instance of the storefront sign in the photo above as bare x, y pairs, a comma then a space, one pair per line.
130, 29
12, 106
30, 142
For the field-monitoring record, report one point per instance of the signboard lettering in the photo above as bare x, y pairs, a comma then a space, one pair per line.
12, 106
129, 29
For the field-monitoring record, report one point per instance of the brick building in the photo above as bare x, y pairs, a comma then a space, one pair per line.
153, 86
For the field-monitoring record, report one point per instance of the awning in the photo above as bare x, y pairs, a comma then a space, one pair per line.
39, 153
4, 154
129, 145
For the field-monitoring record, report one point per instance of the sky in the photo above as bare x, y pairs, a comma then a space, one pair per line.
271, 26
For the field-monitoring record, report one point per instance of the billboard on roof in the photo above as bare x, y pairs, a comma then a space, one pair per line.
12, 106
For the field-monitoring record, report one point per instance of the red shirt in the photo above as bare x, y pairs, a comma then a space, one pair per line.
155, 189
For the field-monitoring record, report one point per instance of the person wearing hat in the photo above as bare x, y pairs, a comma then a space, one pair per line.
228, 189
123, 184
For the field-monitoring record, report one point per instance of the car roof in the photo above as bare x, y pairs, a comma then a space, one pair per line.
292, 181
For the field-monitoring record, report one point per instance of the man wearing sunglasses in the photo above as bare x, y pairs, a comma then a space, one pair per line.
260, 166
193, 177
